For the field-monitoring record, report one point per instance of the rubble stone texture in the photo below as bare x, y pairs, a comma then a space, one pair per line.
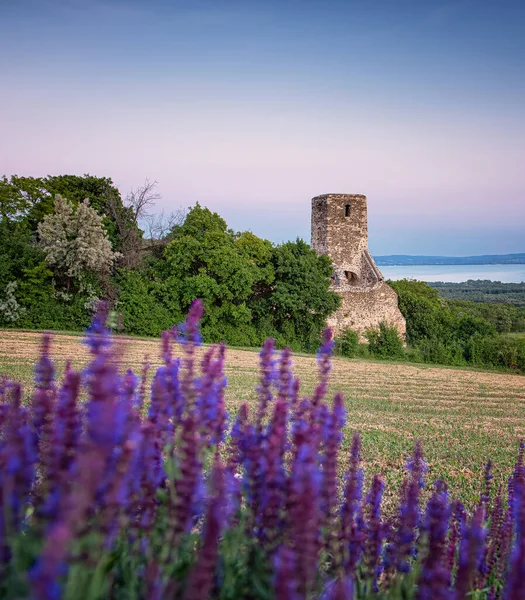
340, 230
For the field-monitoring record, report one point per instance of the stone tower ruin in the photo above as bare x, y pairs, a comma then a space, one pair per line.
340, 230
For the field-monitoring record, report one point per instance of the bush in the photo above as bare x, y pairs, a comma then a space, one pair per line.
347, 344
385, 342
123, 499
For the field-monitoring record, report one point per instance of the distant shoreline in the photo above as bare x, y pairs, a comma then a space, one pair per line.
403, 260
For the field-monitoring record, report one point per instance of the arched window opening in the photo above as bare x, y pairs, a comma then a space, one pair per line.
351, 277
347, 210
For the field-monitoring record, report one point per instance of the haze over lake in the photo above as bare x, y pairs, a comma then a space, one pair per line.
456, 273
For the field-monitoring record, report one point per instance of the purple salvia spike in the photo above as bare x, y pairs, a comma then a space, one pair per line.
485, 496
456, 525
45, 576
351, 535
266, 379
515, 588
167, 350
323, 358
237, 437
221, 417
142, 389
64, 445
187, 486
374, 530
330, 462
17, 462
200, 578
409, 511
190, 338
505, 545
434, 579
305, 517
285, 585
43, 404
494, 536
274, 478
339, 589
470, 554
285, 374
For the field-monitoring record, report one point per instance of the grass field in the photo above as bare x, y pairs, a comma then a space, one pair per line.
463, 417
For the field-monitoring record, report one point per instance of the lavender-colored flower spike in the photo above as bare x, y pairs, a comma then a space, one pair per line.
272, 492
325, 366
267, 376
285, 584
339, 589
434, 580
201, 576
374, 529
409, 511
515, 589
329, 463
351, 535
305, 516
189, 337
470, 554
17, 464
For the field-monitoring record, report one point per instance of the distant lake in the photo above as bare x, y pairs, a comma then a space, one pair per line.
456, 273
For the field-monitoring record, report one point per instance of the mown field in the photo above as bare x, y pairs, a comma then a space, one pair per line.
463, 417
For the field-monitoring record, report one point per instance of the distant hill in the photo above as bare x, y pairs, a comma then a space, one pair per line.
488, 259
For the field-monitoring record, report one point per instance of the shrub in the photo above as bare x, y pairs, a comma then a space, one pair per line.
135, 498
347, 344
385, 342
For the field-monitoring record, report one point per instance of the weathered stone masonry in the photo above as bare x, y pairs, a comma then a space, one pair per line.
340, 230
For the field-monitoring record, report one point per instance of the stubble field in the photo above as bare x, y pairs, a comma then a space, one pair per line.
463, 417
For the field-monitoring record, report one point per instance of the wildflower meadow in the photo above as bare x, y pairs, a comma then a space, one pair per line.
111, 488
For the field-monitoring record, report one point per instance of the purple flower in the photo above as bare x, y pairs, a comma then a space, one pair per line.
434, 580
470, 554
374, 531
17, 462
515, 588
64, 444
188, 486
305, 516
273, 485
351, 535
403, 545
285, 584
325, 366
339, 589
285, 375
266, 369
332, 443
200, 577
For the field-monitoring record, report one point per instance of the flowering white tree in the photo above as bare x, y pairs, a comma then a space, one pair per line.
74, 240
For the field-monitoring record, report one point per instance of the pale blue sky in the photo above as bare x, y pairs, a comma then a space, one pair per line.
252, 108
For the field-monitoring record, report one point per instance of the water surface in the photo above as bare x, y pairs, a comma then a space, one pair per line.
456, 273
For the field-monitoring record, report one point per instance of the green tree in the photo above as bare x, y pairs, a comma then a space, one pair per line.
205, 260
300, 300
423, 309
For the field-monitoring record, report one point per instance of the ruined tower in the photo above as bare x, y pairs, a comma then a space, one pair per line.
340, 230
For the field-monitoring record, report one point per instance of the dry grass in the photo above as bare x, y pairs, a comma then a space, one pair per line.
463, 417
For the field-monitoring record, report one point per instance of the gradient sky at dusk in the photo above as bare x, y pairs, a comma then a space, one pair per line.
252, 107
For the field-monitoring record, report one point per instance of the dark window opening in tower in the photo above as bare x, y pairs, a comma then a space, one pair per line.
351, 277
347, 210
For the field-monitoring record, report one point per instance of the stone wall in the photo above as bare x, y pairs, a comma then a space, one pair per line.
365, 309
340, 230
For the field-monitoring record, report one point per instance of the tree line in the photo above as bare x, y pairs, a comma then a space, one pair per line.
66, 241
